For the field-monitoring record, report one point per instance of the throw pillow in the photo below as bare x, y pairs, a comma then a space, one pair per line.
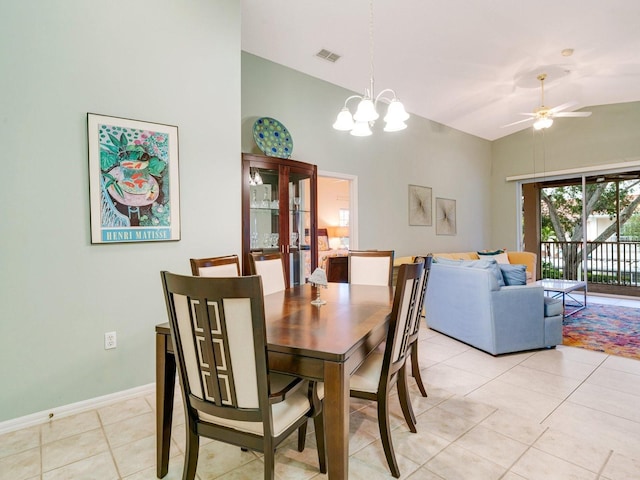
514, 274
323, 242
489, 264
499, 255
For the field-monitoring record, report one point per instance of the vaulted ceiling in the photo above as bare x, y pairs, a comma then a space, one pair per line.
468, 64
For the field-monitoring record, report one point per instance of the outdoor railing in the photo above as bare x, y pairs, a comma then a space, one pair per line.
610, 263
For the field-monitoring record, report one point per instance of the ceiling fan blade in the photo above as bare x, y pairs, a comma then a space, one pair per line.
573, 114
564, 106
528, 114
516, 123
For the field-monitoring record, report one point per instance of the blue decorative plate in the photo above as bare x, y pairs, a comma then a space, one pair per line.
272, 137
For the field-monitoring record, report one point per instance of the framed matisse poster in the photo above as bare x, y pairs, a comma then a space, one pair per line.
134, 185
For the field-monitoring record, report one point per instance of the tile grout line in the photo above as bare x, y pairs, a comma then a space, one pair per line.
564, 400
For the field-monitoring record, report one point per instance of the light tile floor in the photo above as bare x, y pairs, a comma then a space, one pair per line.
563, 413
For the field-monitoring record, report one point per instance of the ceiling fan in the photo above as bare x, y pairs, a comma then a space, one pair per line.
544, 116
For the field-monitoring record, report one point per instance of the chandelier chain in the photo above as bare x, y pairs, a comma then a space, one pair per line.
371, 46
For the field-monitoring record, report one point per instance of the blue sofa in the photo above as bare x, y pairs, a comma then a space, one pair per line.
467, 302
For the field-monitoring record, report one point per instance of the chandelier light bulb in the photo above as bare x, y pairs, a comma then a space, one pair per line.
361, 129
366, 111
394, 126
344, 121
396, 112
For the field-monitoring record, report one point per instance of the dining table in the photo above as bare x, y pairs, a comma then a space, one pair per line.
325, 343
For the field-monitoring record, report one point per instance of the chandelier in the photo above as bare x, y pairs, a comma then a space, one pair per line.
360, 123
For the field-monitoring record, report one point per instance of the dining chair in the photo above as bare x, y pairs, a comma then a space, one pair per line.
218, 330
415, 325
227, 266
371, 267
376, 376
270, 266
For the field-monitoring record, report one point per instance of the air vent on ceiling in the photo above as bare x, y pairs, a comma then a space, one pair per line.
328, 55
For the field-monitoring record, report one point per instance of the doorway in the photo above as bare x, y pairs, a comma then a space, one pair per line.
337, 210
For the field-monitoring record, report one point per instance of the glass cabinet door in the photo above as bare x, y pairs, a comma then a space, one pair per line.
264, 210
300, 208
279, 204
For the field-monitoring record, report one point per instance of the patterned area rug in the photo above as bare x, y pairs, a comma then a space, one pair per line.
605, 328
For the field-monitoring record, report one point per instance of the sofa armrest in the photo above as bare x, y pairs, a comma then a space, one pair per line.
518, 318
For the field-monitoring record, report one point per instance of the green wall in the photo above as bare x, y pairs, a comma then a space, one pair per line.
608, 136
169, 62
454, 164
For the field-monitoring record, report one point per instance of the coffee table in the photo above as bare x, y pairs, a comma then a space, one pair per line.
563, 288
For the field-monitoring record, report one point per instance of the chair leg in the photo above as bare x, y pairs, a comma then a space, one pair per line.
415, 369
191, 454
269, 464
385, 435
405, 399
302, 436
318, 422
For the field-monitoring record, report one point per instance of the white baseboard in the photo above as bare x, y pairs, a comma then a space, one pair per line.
74, 408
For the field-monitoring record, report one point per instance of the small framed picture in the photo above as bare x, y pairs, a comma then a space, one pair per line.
420, 205
445, 216
134, 185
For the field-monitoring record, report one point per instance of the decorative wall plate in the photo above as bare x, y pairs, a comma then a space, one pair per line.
272, 137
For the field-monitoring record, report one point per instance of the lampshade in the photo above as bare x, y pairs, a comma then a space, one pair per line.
339, 231
361, 129
366, 111
394, 126
543, 122
318, 277
344, 121
396, 112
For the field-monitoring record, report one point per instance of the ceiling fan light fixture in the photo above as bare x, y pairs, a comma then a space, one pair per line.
543, 122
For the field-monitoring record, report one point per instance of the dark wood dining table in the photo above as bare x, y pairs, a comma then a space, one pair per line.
325, 343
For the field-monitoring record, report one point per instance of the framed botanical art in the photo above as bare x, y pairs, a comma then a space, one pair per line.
420, 205
134, 185
445, 216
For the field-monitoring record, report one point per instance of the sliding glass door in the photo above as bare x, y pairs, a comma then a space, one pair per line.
588, 228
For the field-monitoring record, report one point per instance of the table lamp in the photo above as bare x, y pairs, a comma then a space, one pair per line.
318, 279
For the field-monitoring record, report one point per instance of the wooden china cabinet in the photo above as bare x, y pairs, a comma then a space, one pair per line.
279, 213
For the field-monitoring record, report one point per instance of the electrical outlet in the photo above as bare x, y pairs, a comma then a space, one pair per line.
110, 340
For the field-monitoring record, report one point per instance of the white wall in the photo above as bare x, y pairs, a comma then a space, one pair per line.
456, 165
169, 62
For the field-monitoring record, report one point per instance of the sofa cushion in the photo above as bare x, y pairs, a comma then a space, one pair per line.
552, 306
491, 265
447, 261
514, 274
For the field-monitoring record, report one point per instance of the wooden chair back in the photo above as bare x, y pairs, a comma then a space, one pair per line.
227, 266
270, 266
219, 336
371, 267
